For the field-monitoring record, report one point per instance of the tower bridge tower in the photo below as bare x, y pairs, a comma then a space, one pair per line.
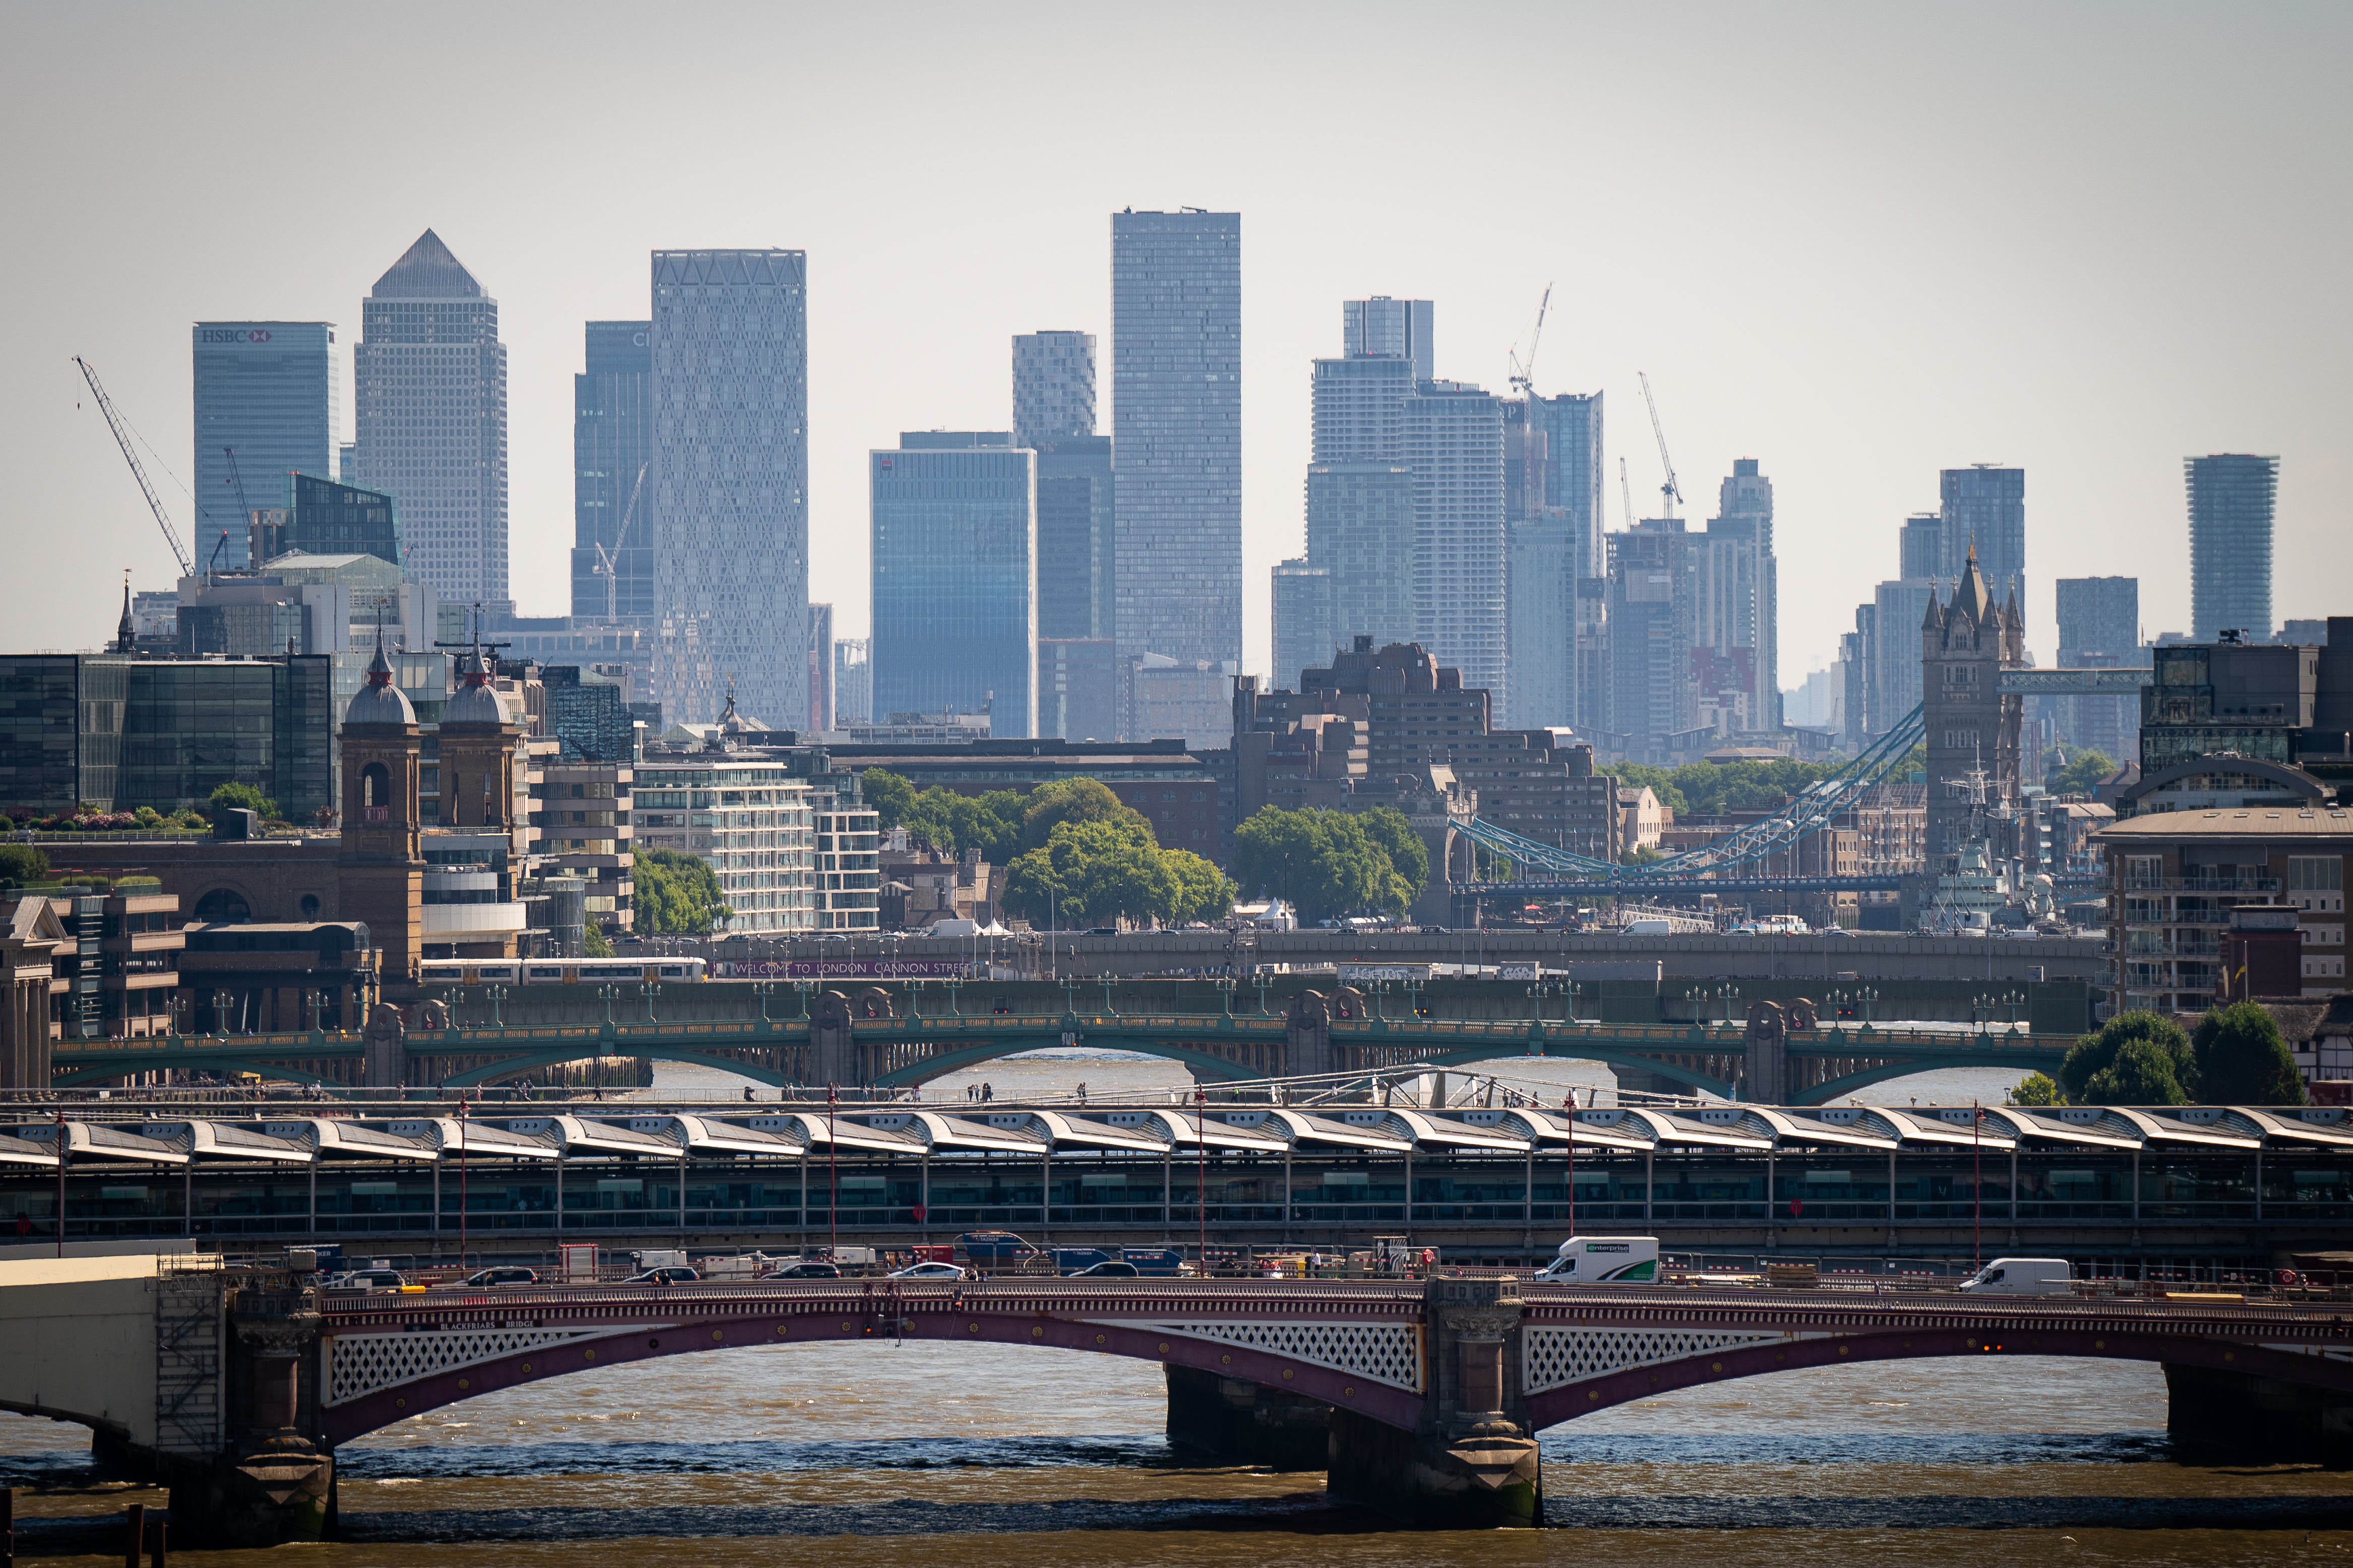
1965, 645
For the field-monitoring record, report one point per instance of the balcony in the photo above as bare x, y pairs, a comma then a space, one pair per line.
2138, 883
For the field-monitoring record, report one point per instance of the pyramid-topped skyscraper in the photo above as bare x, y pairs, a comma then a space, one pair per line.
429, 382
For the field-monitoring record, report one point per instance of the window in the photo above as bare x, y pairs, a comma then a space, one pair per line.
2315, 873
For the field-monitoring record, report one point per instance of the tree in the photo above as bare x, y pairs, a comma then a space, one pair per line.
2082, 774
2142, 1073
593, 943
1324, 863
1409, 855
2036, 1089
2095, 1053
678, 895
2243, 1059
1049, 805
235, 796
20, 864
1202, 891
889, 794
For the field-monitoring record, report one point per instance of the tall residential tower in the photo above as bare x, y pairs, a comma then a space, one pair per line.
1053, 387
2231, 497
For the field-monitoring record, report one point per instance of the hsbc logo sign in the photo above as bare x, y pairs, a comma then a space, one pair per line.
236, 334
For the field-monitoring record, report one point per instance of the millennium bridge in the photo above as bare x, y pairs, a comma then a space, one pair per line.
1455, 1164
234, 1382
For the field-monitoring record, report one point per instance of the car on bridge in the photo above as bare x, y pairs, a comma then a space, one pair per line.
668, 1274
489, 1279
369, 1279
931, 1269
1109, 1269
805, 1268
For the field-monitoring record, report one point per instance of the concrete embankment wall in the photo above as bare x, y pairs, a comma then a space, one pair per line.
77, 1338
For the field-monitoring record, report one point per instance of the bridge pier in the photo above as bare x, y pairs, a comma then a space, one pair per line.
272, 1483
2241, 1418
1472, 1463
1231, 1419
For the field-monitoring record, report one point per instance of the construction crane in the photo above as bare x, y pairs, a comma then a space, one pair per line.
244, 507
122, 439
608, 567
1524, 371
1626, 489
1670, 491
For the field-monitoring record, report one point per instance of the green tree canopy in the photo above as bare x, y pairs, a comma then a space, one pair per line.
243, 797
2083, 773
1327, 863
2243, 1060
593, 943
1097, 871
2095, 1053
1710, 789
1049, 805
889, 794
2141, 1073
20, 864
678, 895
2037, 1088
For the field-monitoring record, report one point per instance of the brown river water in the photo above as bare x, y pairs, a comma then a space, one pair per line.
874, 1452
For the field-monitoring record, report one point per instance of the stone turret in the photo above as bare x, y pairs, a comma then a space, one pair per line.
1965, 645
381, 870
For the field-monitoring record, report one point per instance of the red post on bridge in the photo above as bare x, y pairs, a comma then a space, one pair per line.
833, 1173
1201, 1181
462, 1181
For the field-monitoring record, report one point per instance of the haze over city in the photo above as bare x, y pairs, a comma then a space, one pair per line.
1858, 245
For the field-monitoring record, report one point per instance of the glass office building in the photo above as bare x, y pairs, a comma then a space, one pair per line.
1177, 408
955, 565
612, 442
123, 734
265, 391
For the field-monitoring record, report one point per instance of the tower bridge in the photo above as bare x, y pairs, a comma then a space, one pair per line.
1428, 1394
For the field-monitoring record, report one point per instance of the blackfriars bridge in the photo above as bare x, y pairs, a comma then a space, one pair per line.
1427, 1394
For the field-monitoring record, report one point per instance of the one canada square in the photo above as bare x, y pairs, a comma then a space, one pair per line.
1177, 436
731, 473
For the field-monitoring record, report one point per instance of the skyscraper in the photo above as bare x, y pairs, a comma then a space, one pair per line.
820, 666
1573, 472
1920, 547
612, 447
1358, 409
1984, 506
2231, 497
1053, 387
1652, 616
1736, 657
1077, 665
267, 391
1454, 444
1360, 529
853, 683
1541, 578
1304, 634
1176, 434
2099, 628
955, 565
1383, 328
429, 378
729, 481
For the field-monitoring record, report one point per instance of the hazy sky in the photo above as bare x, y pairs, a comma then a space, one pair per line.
1857, 243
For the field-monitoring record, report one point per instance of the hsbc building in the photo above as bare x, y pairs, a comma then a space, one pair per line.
266, 391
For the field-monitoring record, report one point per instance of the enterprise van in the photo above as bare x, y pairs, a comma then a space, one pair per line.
1605, 1261
2022, 1277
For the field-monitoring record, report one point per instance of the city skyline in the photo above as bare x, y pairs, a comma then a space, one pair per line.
1852, 440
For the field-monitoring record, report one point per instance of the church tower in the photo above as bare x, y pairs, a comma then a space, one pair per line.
380, 872
1965, 646
477, 750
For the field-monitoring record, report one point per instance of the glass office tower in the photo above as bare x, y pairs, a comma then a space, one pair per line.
955, 565
265, 391
612, 446
2231, 497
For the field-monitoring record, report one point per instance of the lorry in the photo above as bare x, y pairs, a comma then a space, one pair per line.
1604, 1260
2022, 1277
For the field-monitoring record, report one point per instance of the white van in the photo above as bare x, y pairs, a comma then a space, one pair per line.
1605, 1259
1648, 925
2022, 1277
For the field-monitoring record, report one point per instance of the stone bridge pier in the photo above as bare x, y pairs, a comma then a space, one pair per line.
272, 1480
1468, 1464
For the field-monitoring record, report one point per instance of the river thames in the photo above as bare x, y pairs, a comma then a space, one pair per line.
875, 1452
